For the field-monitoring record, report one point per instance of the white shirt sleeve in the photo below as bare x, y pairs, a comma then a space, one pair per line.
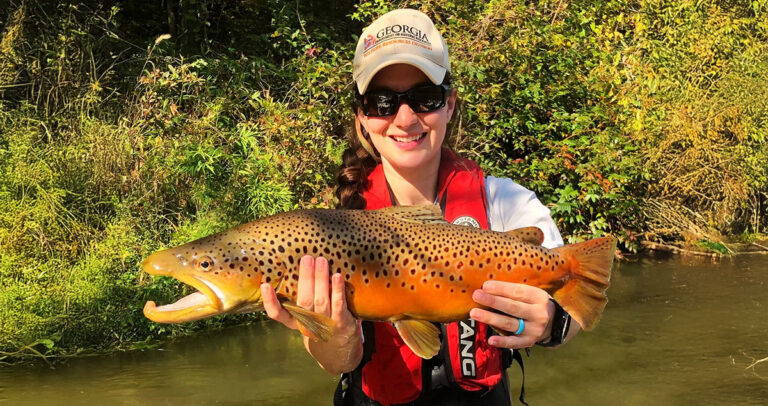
511, 206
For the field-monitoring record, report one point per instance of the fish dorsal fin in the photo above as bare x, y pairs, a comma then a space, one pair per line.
425, 214
421, 336
531, 235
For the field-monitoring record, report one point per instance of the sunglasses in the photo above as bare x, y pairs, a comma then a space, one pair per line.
421, 99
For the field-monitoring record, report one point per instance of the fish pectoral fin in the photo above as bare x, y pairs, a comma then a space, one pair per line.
423, 214
531, 235
249, 308
313, 325
421, 336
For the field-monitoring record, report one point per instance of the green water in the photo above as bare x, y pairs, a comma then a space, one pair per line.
675, 332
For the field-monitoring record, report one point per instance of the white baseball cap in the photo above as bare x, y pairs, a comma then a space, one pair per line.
400, 36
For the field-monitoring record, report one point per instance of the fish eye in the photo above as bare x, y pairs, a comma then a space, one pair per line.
205, 263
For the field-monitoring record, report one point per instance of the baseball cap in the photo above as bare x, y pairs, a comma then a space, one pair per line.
400, 36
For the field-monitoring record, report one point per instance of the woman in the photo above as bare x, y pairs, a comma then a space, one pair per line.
405, 102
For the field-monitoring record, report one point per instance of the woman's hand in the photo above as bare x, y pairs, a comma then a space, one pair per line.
515, 301
343, 351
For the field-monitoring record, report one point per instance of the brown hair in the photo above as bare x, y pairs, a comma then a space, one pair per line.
357, 163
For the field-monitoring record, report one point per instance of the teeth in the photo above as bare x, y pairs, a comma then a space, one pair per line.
410, 138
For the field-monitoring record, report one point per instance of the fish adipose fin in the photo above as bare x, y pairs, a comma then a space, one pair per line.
311, 324
531, 235
421, 336
583, 295
425, 214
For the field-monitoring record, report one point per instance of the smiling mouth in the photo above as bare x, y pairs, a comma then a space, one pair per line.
409, 138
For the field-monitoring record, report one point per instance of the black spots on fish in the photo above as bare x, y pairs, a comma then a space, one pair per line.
366, 281
413, 272
326, 250
413, 287
280, 248
451, 278
388, 285
447, 264
402, 285
405, 262
460, 265
347, 276
231, 266
241, 269
295, 276
522, 262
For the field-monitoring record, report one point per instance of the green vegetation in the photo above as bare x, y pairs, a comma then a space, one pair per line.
644, 119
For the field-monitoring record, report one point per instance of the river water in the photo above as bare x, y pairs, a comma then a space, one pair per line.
676, 332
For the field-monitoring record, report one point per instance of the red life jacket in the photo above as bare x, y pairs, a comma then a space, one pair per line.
393, 374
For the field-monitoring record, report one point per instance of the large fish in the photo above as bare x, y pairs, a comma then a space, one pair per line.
403, 264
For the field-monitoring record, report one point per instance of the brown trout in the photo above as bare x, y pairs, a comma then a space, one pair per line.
404, 264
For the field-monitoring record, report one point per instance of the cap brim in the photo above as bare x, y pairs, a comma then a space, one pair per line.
434, 72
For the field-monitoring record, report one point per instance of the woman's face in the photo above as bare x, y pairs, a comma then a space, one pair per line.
407, 140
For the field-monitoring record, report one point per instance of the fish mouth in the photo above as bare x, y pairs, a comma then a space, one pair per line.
203, 303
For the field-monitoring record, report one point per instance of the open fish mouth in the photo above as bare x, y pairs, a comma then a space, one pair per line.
203, 303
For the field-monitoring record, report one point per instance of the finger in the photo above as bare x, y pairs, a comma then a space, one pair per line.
273, 308
516, 342
339, 311
503, 322
517, 291
498, 321
321, 287
306, 290
509, 306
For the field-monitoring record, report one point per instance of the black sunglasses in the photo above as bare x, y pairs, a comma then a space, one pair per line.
421, 99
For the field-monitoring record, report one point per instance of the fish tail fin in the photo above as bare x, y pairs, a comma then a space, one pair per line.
583, 295
313, 325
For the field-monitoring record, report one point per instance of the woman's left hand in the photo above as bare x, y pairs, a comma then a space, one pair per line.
515, 301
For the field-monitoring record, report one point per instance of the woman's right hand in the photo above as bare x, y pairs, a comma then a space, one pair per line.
343, 351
